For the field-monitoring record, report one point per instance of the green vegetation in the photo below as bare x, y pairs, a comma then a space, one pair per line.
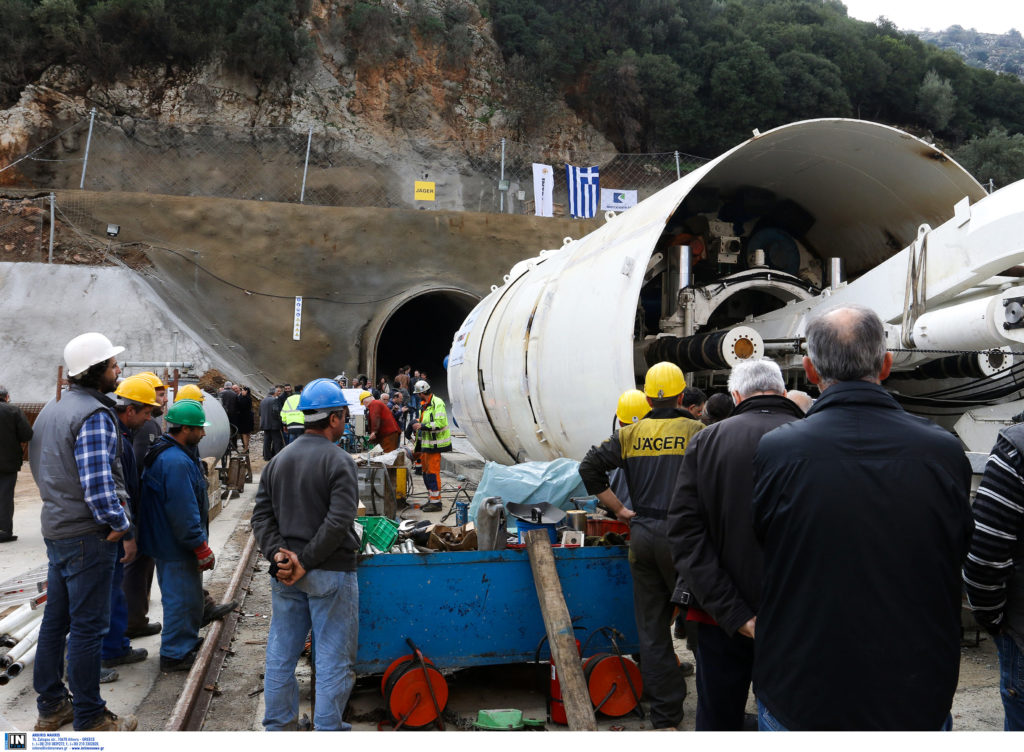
701, 74
997, 156
652, 75
262, 38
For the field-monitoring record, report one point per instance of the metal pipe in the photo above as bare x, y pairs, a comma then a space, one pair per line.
156, 364
501, 193
26, 660
20, 649
305, 169
713, 351
194, 681
22, 632
16, 618
835, 277
88, 143
52, 200
678, 173
4, 679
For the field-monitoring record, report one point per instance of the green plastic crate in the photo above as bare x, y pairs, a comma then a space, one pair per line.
382, 532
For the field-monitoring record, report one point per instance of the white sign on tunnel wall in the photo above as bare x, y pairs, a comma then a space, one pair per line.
297, 329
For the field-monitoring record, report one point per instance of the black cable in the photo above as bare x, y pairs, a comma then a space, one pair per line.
269, 294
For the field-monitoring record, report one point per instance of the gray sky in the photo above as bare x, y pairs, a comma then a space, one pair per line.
994, 16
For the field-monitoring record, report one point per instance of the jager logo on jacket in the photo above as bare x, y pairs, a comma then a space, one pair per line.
651, 451
653, 438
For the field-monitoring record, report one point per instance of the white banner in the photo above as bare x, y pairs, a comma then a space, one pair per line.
543, 190
297, 326
614, 199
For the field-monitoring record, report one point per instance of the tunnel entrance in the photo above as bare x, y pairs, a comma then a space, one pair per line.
419, 334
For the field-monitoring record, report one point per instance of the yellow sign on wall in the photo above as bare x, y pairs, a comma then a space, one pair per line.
424, 190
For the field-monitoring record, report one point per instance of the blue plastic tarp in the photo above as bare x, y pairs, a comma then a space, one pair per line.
533, 482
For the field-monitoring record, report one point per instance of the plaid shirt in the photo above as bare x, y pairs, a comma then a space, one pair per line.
95, 450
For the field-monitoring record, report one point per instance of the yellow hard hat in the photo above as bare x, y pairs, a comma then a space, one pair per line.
190, 391
663, 380
363, 395
153, 379
137, 389
633, 405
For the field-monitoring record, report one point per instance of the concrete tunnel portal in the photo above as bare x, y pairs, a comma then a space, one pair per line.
418, 332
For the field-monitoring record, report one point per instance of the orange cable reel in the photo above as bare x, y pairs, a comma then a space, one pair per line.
608, 678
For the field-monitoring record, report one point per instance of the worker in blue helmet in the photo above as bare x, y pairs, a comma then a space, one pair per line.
303, 522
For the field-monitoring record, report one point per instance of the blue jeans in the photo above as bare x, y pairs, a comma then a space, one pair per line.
115, 644
327, 602
77, 608
767, 722
181, 593
1011, 682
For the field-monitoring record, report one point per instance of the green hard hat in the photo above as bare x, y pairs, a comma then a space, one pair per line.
187, 412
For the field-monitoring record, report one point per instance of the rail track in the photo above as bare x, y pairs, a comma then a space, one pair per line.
190, 711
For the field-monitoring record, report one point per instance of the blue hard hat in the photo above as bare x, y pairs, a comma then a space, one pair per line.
322, 394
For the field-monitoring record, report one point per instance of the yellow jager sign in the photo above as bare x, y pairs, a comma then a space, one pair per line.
424, 190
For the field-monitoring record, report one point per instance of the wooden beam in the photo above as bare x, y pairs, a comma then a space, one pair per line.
579, 711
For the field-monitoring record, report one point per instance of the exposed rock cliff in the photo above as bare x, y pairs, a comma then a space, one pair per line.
426, 105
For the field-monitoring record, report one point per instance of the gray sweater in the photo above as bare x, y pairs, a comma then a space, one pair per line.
307, 503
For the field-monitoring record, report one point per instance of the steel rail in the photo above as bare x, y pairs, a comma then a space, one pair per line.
189, 713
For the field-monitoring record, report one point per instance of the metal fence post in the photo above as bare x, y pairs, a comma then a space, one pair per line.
53, 198
88, 143
501, 193
678, 174
305, 169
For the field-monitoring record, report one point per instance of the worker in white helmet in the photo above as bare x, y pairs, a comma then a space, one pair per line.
75, 457
433, 438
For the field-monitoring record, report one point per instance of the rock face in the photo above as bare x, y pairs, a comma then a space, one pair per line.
377, 124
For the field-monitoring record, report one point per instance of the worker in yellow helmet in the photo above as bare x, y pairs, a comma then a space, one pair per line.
190, 391
651, 452
632, 407
138, 573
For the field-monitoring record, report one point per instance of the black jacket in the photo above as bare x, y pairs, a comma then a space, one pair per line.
14, 429
862, 511
710, 523
270, 414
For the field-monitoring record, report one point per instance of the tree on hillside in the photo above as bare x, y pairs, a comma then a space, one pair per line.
813, 87
745, 89
936, 101
997, 156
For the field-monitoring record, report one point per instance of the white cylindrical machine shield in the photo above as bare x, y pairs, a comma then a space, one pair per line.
537, 367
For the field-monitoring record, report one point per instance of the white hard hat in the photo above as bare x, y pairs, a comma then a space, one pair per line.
87, 350
421, 387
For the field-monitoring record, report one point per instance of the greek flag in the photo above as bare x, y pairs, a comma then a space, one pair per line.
583, 185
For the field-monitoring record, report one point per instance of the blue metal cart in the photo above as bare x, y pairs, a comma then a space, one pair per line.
477, 608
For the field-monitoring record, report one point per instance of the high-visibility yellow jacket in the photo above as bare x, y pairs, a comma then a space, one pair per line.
434, 434
290, 412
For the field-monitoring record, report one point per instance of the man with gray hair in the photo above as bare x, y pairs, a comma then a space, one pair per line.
713, 542
863, 516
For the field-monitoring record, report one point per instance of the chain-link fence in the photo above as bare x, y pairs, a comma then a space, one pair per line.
318, 166
61, 229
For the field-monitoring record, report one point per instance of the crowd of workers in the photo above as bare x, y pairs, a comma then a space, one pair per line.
820, 548
816, 549
124, 499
